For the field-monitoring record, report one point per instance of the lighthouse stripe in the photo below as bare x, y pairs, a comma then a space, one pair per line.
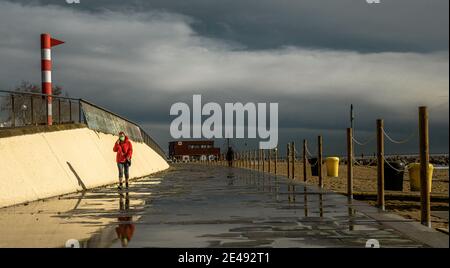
46, 54
46, 76
46, 41
46, 65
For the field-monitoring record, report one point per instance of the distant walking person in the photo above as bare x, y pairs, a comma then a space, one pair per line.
124, 151
230, 156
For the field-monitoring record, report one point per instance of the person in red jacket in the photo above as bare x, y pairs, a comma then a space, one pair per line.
124, 152
125, 230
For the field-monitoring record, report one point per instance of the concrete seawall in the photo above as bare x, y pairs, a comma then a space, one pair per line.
46, 164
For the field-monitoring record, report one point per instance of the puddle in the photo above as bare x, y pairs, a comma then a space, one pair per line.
196, 206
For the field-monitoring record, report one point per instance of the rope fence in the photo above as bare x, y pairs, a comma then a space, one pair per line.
257, 161
365, 142
408, 139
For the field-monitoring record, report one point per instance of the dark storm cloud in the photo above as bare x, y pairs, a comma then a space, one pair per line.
139, 63
393, 25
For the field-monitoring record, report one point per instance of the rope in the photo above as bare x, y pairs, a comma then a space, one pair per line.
298, 154
365, 165
398, 170
401, 141
357, 163
364, 143
308, 153
317, 161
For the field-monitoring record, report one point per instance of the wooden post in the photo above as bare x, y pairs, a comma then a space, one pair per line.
254, 159
248, 159
245, 158
13, 111
241, 159
269, 152
305, 176
349, 163
80, 112
242, 156
380, 164
32, 110
276, 160
293, 160
59, 111
287, 160
424, 162
263, 153
319, 159
259, 157
70, 111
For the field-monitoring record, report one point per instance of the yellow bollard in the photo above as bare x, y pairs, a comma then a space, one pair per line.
414, 176
332, 166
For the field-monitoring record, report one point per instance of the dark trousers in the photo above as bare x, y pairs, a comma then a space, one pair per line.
123, 169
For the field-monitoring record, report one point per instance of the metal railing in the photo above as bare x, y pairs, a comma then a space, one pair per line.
21, 109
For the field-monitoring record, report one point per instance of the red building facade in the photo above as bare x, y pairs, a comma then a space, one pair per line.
193, 150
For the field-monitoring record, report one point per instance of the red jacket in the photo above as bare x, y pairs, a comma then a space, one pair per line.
125, 230
124, 150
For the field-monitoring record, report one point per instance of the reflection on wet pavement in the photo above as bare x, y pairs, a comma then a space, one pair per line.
198, 206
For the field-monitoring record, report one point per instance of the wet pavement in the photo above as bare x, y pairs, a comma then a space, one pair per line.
201, 206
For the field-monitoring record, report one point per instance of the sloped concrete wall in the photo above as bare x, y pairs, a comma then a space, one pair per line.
42, 165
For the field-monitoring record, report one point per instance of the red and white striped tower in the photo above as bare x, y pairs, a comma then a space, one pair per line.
46, 67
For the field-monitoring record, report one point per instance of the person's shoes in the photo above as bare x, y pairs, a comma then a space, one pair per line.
126, 185
120, 186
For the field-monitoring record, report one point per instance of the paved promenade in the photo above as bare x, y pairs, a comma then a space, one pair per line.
209, 206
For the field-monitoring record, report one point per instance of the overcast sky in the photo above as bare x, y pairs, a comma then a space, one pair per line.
313, 57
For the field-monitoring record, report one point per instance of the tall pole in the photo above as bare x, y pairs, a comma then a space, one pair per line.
424, 162
319, 159
305, 176
352, 116
269, 157
349, 163
46, 70
380, 164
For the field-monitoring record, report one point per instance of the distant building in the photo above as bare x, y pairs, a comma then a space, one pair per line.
193, 150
